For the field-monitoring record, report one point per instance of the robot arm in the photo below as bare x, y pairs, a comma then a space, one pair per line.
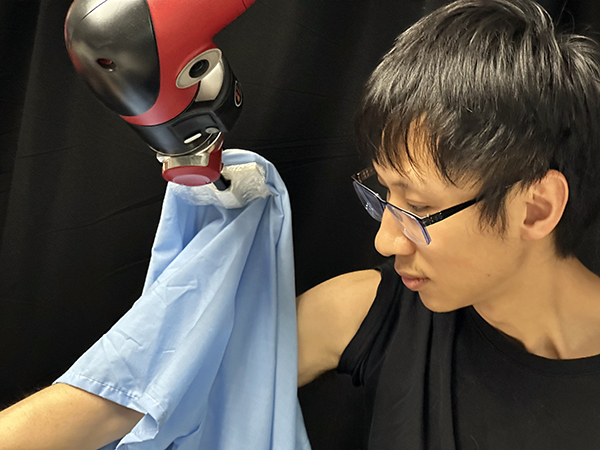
154, 63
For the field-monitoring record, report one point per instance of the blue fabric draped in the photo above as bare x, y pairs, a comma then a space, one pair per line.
208, 353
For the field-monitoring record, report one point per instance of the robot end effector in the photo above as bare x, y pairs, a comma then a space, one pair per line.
154, 63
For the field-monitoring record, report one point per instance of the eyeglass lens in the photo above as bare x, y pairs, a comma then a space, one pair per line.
371, 203
375, 206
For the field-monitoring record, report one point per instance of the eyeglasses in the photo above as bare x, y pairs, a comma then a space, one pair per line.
415, 227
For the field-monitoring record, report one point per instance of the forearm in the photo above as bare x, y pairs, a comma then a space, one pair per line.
63, 417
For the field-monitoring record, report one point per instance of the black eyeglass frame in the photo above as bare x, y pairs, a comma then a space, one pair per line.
429, 219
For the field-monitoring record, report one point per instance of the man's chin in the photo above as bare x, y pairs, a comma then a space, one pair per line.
438, 305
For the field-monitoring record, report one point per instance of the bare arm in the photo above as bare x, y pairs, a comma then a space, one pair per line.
329, 316
66, 418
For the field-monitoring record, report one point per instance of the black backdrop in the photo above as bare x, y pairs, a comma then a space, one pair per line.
80, 194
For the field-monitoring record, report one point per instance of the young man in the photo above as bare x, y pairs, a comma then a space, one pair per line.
484, 330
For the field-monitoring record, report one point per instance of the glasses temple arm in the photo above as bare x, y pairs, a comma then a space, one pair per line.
429, 220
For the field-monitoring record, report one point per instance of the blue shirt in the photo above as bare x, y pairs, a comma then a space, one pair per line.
208, 353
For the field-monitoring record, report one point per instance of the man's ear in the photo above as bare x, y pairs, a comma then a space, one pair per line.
545, 202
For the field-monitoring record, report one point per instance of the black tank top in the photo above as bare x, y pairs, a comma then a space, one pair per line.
450, 381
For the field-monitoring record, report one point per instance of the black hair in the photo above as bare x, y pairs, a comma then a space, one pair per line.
500, 98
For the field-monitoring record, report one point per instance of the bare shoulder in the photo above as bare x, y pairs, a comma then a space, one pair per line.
329, 315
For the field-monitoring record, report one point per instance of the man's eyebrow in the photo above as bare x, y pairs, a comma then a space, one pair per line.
401, 184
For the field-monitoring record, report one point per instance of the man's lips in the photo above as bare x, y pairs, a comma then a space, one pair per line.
405, 274
412, 282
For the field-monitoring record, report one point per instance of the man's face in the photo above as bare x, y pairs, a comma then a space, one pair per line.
464, 264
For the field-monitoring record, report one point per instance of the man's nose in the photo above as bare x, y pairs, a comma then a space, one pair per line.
390, 239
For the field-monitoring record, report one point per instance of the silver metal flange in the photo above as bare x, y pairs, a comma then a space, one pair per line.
197, 158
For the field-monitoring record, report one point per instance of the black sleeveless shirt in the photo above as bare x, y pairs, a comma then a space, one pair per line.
450, 381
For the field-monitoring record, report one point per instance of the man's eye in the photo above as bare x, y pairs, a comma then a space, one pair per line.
417, 209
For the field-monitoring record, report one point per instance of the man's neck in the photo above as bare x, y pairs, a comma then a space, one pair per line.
554, 311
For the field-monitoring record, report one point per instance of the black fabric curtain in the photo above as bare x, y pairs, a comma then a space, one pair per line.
80, 194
